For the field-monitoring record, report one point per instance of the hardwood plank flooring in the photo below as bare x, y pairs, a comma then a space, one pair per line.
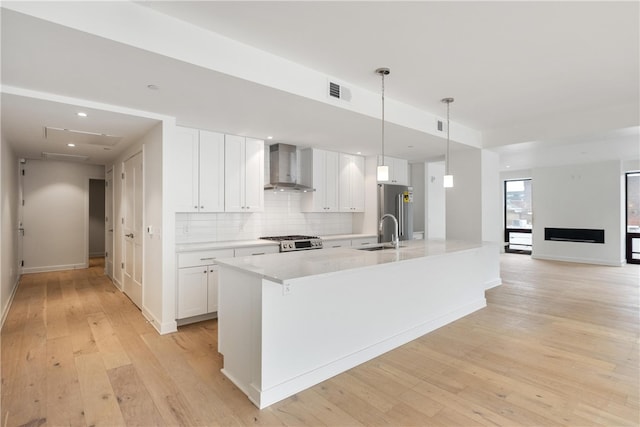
558, 344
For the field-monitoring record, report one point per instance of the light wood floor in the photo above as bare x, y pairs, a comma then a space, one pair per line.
557, 345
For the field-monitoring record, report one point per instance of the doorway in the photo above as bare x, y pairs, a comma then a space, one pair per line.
633, 217
518, 216
96, 218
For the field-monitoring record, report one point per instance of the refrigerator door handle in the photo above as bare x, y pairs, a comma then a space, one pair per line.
400, 216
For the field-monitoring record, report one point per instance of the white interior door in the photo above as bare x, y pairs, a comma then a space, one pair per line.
132, 228
108, 224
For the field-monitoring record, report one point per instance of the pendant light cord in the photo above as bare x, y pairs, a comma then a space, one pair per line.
446, 172
382, 74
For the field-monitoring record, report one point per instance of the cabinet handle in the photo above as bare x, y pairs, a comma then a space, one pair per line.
195, 207
205, 259
201, 207
205, 272
210, 271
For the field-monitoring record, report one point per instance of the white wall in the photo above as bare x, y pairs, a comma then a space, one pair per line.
153, 283
579, 196
418, 181
464, 200
491, 201
9, 223
55, 214
436, 209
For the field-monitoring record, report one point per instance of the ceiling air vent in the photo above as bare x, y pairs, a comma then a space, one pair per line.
338, 91
64, 157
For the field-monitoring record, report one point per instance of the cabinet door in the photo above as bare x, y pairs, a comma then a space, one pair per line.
254, 175
357, 184
351, 183
185, 161
234, 173
331, 181
345, 183
212, 289
192, 291
211, 167
400, 172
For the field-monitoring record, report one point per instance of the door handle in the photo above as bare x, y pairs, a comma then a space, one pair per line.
129, 235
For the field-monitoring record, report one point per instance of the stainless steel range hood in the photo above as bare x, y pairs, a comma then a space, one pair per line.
283, 169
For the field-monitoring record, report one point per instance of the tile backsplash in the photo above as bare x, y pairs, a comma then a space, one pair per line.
281, 216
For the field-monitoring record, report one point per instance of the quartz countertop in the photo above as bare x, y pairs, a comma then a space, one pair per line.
346, 236
283, 267
229, 244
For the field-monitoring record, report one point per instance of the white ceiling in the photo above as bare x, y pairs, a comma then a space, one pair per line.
510, 66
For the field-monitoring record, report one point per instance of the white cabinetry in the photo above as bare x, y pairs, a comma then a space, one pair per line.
364, 241
199, 158
398, 170
351, 183
256, 250
244, 174
320, 170
197, 292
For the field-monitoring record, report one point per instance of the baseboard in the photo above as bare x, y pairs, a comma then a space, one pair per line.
579, 260
96, 255
492, 283
45, 269
162, 327
5, 311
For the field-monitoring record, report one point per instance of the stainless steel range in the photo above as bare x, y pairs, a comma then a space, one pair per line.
296, 243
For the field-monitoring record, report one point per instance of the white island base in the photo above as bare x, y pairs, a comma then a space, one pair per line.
334, 309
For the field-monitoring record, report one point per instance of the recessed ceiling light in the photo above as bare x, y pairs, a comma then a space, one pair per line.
410, 146
71, 144
81, 114
152, 87
359, 152
269, 137
508, 166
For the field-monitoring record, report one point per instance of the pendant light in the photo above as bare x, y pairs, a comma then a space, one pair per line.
448, 178
382, 172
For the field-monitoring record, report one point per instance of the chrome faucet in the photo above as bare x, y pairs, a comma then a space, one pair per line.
394, 240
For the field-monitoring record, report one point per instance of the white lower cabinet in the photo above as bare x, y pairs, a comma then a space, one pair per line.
193, 291
197, 292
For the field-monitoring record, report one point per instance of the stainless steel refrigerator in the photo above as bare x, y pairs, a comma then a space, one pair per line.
398, 201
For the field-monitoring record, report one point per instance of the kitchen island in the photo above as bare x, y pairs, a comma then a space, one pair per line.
288, 321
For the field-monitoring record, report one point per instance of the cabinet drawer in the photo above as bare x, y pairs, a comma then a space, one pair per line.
364, 241
341, 243
192, 259
257, 250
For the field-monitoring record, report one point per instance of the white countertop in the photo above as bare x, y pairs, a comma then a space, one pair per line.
289, 266
230, 244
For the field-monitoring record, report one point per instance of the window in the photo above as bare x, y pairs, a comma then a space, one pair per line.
518, 216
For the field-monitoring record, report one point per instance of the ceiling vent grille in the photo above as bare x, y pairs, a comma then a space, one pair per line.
64, 157
338, 91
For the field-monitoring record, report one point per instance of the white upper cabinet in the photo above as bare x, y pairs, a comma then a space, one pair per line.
398, 170
320, 170
244, 174
199, 158
211, 168
351, 183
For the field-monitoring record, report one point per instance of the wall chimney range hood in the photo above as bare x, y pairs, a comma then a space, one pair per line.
283, 161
